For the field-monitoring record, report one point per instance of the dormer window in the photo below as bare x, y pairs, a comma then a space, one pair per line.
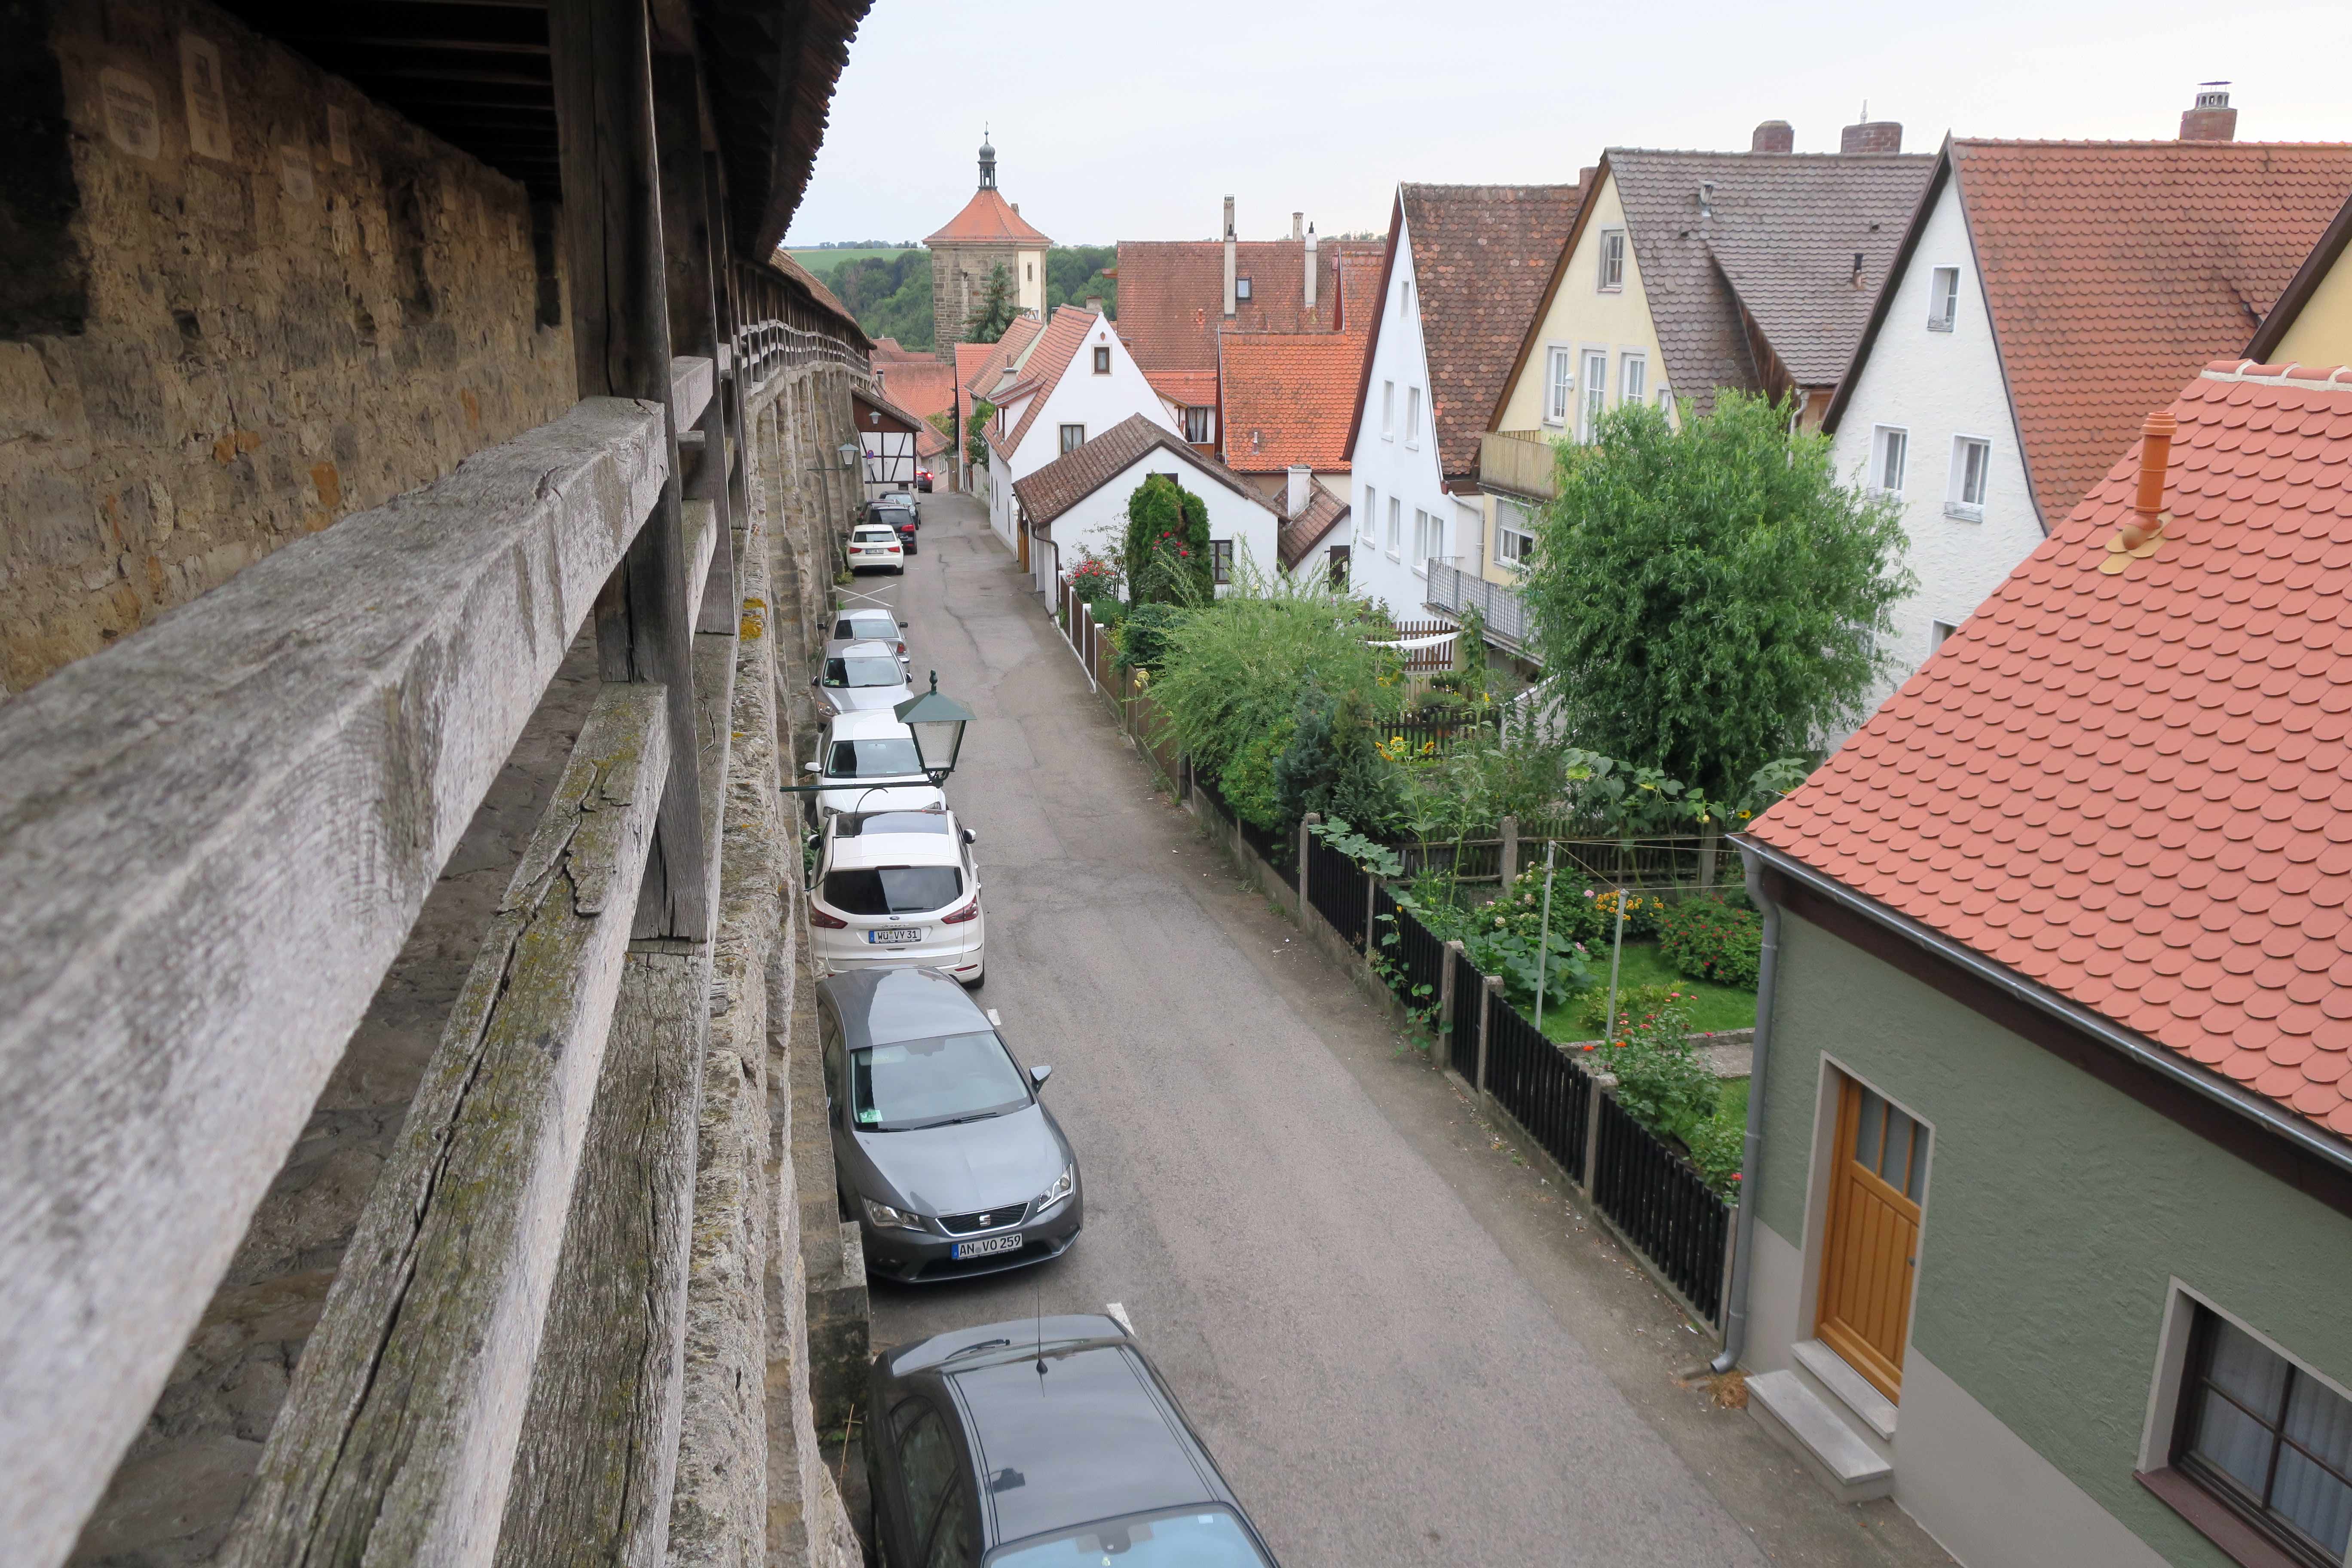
1943, 299
1240, 289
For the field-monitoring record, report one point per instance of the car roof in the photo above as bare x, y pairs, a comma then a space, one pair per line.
863, 647
878, 527
866, 612
1092, 1438
868, 850
878, 1006
867, 724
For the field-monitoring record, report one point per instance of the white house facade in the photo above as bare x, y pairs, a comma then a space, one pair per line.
1077, 380
1928, 420
1397, 495
1079, 503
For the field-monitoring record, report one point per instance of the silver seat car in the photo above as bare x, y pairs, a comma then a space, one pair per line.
861, 676
941, 1149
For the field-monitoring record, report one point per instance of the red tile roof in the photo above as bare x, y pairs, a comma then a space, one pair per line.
1323, 513
1171, 293
988, 216
1185, 388
924, 386
993, 358
1289, 398
2136, 789
1483, 256
1074, 476
2113, 269
971, 359
1043, 368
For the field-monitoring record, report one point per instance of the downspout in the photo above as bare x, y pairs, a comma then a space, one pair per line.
1751, 1154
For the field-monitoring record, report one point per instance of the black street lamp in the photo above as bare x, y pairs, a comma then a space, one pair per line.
937, 722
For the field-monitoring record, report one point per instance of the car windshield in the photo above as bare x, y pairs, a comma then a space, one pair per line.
884, 757
896, 517
876, 536
894, 822
893, 890
1197, 1538
925, 1083
866, 629
867, 669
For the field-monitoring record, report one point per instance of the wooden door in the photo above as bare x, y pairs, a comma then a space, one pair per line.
1869, 1255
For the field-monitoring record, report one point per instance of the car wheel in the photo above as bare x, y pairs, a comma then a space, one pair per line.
977, 981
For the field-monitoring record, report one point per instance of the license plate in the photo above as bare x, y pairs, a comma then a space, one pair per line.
988, 1248
893, 936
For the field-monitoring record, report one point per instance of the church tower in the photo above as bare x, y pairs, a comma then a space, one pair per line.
987, 234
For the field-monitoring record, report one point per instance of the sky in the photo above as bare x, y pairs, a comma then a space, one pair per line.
1135, 122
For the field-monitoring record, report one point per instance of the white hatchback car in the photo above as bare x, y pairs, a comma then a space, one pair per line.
875, 545
897, 888
869, 763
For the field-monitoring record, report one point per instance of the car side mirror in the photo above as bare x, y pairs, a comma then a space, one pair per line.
969, 837
811, 768
814, 682
1039, 1074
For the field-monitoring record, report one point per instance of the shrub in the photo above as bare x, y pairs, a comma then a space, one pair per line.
1716, 1147
1167, 544
1332, 765
1248, 781
1641, 913
1661, 1081
1632, 1000
1144, 634
1706, 938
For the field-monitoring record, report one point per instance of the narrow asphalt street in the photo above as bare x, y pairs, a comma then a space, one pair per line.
1400, 1345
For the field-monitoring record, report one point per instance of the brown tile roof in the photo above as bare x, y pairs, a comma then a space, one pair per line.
1780, 241
1042, 369
989, 216
993, 358
2135, 790
925, 385
971, 359
880, 403
1187, 388
2113, 269
1171, 293
1323, 513
1069, 478
1483, 255
890, 350
1289, 398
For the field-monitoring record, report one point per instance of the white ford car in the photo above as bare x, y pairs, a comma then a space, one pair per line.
897, 889
867, 762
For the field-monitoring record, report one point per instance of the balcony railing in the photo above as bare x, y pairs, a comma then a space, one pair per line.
1517, 462
1452, 590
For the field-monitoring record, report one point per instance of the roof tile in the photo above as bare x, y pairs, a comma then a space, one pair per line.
1069, 478
1171, 294
1289, 398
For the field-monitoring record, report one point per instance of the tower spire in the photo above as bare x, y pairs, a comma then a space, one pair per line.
987, 161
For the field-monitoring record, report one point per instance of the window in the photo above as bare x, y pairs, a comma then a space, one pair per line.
1338, 561
1936, 632
1073, 438
1412, 416
1889, 447
927, 1462
1943, 299
1029, 271
1666, 401
1220, 560
1387, 411
1596, 394
955, 1543
1633, 372
1396, 525
2268, 1440
1424, 539
1196, 426
1513, 543
1559, 383
1971, 463
1612, 259
1240, 289
1102, 361
1371, 517
1404, 298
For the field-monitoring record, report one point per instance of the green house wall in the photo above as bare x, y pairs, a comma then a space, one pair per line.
2058, 1210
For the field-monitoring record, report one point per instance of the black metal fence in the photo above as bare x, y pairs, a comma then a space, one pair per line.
1337, 886
1540, 1085
1663, 1205
1469, 1001
1280, 850
1416, 957
1206, 788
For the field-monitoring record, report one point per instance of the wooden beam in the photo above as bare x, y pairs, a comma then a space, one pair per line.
620, 315
213, 838
691, 378
398, 1433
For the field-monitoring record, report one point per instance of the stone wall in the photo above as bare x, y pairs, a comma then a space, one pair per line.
958, 279
272, 302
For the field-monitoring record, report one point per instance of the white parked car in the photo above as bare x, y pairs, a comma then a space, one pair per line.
897, 889
874, 546
869, 763
860, 676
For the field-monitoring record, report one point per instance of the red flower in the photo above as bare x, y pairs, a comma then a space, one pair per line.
1735, 1175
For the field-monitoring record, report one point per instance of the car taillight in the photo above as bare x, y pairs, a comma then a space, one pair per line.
902, 653
971, 911
818, 918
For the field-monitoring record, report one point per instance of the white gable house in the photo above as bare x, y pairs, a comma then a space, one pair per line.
1079, 502
1077, 381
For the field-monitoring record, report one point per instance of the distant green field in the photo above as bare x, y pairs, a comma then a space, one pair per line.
823, 261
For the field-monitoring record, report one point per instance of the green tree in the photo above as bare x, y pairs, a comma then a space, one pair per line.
1167, 548
975, 440
1075, 271
889, 295
997, 308
1709, 597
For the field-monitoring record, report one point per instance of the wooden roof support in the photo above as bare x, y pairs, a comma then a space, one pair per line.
602, 56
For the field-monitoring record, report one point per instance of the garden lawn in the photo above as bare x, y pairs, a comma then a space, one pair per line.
1713, 1008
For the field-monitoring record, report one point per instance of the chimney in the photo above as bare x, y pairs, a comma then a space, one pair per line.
1095, 303
2154, 456
1295, 219
1773, 136
1229, 256
1016, 209
1302, 490
1857, 268
2212, 119
1310, 266
1585, 175
1869, 137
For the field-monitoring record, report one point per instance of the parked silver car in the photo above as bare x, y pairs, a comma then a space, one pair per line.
942, 1151
861, 676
